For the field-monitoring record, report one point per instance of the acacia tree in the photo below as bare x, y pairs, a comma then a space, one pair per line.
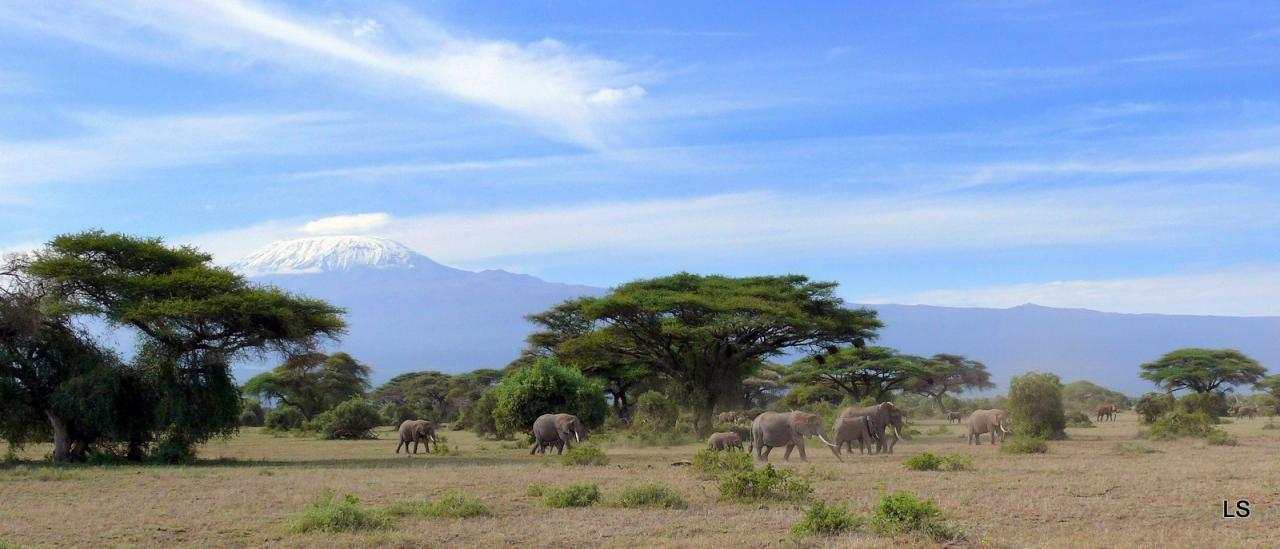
194, 319
1203, 370
859, 372
312, 382
946, 373
763, 386
708, 333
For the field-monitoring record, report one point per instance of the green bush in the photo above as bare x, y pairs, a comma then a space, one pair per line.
1213, 405
939, 430
1218, 437
585, 454
764, 485
929, 462
648, 496
450, 504
654, 413
252, 414
480, 416
1079, 420
903, 512
394, 414
284, 418
821, 519
711, 465
573, 495
1131, 449
546, 387
1153, 405
1023, 444
535, 490
1035, 404
353, 419
333, 514
1178, 424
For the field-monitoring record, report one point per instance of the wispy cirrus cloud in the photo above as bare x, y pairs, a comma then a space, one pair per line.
559, 90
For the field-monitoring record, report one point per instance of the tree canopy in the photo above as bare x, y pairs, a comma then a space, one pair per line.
859, 372
947, 373
312, 382
546, 387
1203, 370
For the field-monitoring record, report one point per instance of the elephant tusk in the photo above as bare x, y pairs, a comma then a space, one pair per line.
896, 434
576, 437
824, 440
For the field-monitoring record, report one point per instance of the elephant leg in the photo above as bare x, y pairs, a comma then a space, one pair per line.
767, 449
398, 446
800, 446
786, 456
415, 446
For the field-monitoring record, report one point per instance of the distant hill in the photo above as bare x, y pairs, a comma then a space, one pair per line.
408, 313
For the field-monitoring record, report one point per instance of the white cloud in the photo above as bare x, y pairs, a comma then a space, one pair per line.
563, 92
1242, 290
347, 224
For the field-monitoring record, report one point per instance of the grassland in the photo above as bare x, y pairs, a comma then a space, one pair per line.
1102, 488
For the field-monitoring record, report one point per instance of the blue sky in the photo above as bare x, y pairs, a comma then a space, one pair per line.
1122, 158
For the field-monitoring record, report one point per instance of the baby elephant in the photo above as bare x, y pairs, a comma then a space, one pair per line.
724, 441
860, 428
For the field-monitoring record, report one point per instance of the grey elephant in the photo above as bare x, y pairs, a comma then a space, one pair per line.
415, 431
1106, 412
859, 428
882, 416
1247, 411
772, 429
954, 417
724, 441
556, 430
993, 421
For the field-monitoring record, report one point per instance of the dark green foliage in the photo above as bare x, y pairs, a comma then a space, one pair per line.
353, 419
573, 495
647, 495
1153, 405
1078, 420
859, 372
821, 519
312, 382
943, 374
1203, 370
449, 504
1024, 444
926, 461
585, 454
803, 396
332, 514
284, 418
547, 388
1179, 424
767, 484
712, 465
252, 414
394, 414
1212, 404
1035, 404
654, 413
902, 512
481, 416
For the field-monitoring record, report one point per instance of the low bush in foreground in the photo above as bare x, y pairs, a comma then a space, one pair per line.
649, 495
450, 504
929, 462
821, 519
711, 464
768, 484
573, 495
1132, 449
585, 455
1079, 420
535, 490
1180, 424
6, 545
284, 418
904, 512
350, 420
1023, 444
330, 513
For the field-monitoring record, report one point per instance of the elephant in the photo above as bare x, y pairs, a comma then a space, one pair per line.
1107, 412
954, 417
1247, 411
724, 441
994, 421
773, 429
556, 430
728, 417
859, 428
882, 416
415, 431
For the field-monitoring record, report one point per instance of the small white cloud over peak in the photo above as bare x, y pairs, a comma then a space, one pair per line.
347, 224
614, 96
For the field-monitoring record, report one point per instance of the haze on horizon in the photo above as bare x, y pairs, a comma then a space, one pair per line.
1081, 154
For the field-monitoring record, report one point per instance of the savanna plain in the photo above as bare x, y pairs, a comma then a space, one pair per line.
1101, 488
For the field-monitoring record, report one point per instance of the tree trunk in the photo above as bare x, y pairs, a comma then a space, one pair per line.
61, 439
135, 448
702, 415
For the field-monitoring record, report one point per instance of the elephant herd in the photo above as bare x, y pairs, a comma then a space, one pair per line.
769, 430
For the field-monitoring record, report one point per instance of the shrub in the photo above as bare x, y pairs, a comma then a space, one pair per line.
1153, 405
821, 519
1218, 437
480, 416
573, 495
929, 462
450, 504
284, 418
546, 387
394, 414
654, 413
585, 455
1131, 449
939, 430
711, 464
251, 413
1023, 444
1213, 405
1178, 424
535, 490
353, 419
648, 496
902, 512
333, 514
764, 485
1035, 402
1079, 420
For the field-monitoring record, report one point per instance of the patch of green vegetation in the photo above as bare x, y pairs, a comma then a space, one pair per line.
1269, 426
585, 454
903, 512
330, 513
1180, 424
1218, 437
1024, 444
929, 462
573, 495
768, 484
450, 504
938, 430
1079, 420
711, 465
1133, 449
535, 490
821, 519
649, 495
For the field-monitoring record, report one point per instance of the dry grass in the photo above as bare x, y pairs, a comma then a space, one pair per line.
1083, 493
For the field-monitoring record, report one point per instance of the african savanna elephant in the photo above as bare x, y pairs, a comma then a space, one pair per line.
773, 429
415, 431
728, 417
882, 415
1247, 411
724, 441
556, 430
859, 428
981, 422
1107, 412
954, 417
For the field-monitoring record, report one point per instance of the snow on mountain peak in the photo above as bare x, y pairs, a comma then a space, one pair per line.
327, 253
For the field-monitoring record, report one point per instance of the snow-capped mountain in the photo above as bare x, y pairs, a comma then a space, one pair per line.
330, 253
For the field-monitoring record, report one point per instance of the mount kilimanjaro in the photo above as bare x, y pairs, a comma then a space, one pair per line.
406, 313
